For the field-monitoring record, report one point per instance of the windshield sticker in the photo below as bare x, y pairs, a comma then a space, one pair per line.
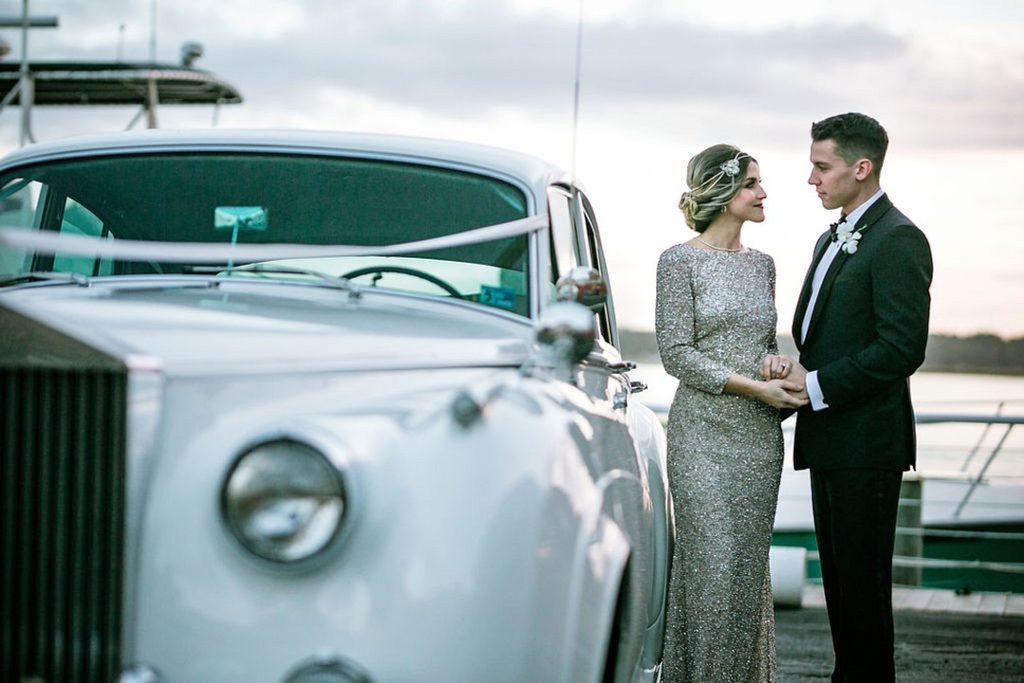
240, 218
500, 297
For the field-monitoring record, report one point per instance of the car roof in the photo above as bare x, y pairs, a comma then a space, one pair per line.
528, 170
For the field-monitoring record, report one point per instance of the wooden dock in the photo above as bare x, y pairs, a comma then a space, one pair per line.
941, 637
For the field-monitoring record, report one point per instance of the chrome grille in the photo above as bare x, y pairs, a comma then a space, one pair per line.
62, 493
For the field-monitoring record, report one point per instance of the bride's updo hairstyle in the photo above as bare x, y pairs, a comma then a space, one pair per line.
714, 177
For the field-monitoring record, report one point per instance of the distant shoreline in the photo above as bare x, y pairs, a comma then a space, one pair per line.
949, 370
981, 354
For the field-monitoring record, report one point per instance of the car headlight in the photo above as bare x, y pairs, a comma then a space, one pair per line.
284, 501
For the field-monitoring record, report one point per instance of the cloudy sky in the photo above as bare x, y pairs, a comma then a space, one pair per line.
661, 80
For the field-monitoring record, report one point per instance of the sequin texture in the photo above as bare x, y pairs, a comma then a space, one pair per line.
716, 316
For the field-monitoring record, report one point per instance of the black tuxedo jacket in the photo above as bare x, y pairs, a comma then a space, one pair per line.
866, 337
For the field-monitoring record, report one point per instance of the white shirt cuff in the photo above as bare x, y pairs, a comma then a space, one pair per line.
814, 391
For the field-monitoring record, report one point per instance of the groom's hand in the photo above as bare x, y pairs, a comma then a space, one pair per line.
798, 376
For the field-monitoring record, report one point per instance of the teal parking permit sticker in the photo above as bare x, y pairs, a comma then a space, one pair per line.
500, 297
240, 218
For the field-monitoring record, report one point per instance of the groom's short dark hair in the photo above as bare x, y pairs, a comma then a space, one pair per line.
857, 136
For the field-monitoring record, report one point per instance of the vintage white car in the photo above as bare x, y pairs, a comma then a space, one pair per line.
283, 406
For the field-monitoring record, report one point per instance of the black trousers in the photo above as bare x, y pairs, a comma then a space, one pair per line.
855, 524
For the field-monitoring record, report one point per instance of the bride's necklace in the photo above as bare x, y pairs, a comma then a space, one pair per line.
716, 248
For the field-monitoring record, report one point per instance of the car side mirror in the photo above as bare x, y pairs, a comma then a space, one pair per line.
583, 285
565, 336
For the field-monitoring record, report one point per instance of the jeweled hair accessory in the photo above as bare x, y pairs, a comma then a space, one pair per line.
729, 169
732, 167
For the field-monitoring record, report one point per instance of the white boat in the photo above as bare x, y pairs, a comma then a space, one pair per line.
961, 521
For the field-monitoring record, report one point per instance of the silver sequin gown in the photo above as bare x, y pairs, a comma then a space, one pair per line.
716, 316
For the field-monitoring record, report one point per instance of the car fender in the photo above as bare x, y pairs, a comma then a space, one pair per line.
649, 435
497, 529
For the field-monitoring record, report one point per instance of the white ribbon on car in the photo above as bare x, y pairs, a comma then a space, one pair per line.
212, 252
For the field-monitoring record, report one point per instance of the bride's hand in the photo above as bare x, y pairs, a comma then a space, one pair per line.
782, 393
776, 367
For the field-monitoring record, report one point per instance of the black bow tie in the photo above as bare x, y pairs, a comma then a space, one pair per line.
832, 228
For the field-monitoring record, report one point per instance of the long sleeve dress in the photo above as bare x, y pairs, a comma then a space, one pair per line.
716, 316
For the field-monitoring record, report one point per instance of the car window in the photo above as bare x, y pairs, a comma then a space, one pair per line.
563, 233
605, 321
78, 220
19, 210
277, 199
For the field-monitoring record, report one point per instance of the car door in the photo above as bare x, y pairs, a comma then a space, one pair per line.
633, 446
575, 242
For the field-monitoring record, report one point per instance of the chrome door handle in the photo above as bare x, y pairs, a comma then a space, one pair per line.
624, 366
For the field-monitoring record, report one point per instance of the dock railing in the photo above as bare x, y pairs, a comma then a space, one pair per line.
909, 560
1007, 421
913, 528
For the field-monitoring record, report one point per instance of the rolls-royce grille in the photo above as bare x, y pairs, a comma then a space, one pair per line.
62, 493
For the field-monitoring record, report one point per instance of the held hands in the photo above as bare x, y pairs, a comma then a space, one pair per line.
782, 384
786, 375
783, 393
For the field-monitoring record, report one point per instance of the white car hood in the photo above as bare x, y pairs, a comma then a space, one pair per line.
272, 327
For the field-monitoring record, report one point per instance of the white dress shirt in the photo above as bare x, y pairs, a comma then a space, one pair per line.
813, 388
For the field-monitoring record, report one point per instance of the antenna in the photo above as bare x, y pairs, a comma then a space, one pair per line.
152, 31
576, 94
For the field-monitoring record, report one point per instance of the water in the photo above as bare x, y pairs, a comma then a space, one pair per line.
946, 468
932, 391
941, 447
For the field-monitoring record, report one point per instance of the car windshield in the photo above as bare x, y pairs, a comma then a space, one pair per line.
264, 198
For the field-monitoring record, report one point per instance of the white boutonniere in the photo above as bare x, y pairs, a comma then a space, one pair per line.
848, 237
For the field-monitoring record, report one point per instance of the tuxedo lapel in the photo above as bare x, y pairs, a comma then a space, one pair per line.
870, 218
826, 289
805, 292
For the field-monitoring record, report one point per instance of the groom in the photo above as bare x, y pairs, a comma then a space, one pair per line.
861, 326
